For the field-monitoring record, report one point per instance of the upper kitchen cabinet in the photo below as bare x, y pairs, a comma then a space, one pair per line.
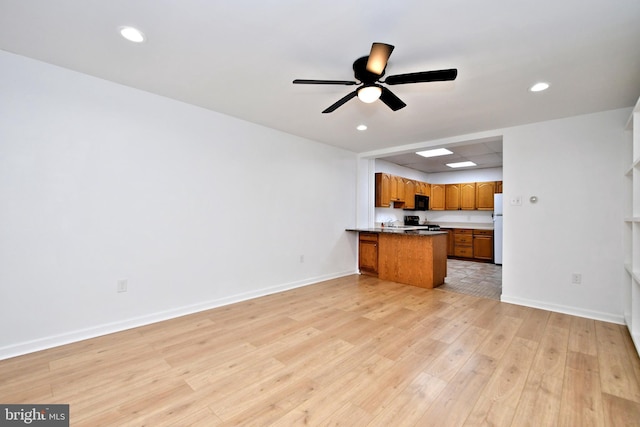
468, 196
484, 195
460, 196
399, 192
383, 190
409, 194
397, 188
437, 199
423, 188
452, 197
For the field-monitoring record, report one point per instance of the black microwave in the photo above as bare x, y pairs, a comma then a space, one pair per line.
421, 203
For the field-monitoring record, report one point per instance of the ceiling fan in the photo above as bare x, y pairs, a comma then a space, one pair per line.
368, 70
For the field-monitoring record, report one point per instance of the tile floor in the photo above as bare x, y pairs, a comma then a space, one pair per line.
473, 278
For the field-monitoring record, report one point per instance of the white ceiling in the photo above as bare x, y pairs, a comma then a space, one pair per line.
240, 57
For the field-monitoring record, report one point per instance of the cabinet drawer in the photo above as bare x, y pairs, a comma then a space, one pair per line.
462, 239
464, 251
483, 232
370, 237
462, 231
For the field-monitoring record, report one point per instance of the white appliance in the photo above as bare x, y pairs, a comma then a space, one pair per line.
497, 229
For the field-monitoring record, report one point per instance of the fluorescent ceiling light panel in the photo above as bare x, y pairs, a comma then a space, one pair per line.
461, 164
434, 153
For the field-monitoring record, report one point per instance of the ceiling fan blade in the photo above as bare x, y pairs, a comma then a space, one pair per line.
391, 100
422, 77
324, 82
341, 101
380, 53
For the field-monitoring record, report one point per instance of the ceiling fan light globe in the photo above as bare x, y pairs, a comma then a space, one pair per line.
369, 94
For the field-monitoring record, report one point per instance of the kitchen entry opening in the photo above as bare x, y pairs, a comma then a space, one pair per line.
480, 279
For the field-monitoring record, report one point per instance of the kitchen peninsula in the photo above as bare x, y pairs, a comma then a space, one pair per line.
405, 255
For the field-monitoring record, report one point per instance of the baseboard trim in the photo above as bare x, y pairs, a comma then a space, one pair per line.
574, 311
32, 346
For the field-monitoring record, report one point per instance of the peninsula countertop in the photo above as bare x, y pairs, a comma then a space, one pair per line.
408, 230
409, 255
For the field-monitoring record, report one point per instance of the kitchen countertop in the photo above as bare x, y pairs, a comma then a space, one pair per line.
468, 225
413, 231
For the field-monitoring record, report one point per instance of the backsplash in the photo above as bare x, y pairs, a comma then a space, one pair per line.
387, 215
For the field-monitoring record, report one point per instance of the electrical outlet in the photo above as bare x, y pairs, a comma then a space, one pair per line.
576, 278
516, 201
122, 286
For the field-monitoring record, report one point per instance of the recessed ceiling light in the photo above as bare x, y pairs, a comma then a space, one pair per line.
362, 127
132, 34
434, 153
539, 87
461, 164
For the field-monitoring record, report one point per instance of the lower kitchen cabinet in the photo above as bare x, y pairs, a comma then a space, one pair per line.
451, 244
470, 244
483, 244
463, 243
368, 253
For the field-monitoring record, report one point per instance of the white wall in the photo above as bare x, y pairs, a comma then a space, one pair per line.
575, 167
100, 183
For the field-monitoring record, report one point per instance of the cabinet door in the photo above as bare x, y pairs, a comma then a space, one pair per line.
409, 194
468, 196
437, 199
383, 190
452, 197
484, 195
498, 187
483, 247
426, 189
397, 189
368, 253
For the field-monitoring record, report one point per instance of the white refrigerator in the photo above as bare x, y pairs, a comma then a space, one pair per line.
497, 229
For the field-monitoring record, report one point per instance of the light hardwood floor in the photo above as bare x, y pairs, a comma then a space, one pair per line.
355, 351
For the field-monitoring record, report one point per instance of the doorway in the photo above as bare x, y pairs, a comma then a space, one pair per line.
481, 279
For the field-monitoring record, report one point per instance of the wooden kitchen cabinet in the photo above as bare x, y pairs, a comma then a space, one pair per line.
483, 244
463, 242
397, 188
484, 195
409, 194
450, 241
399, 192
368, 253
452, 197
383, 190
423, 188
437, 199
460, 196
468, 196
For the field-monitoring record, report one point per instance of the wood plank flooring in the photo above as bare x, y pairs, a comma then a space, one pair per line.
355, 351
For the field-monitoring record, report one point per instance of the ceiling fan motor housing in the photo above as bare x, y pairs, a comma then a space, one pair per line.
362, 74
